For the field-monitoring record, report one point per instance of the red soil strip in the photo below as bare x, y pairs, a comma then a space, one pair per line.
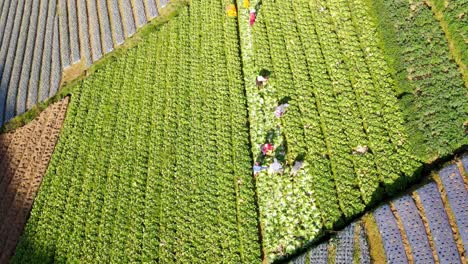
24, 157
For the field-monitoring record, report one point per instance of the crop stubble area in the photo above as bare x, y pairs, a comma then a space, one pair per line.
154, 159
24, 156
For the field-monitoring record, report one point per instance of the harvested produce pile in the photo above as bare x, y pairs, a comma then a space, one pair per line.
426, 226
24, 156
433, 94
153, 162
343, 121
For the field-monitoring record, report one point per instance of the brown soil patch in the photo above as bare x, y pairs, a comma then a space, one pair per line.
73, 71
24, 157
376, 249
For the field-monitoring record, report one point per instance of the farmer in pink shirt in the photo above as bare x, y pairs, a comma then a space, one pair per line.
253, 16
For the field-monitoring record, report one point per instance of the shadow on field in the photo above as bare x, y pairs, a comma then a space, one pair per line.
15, 191
9, 228
25, 153
18, 185
30, 252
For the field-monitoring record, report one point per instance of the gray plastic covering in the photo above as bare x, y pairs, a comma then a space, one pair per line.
87, 29
345, 245
163, 3
414, 229
439, 224
319, 254
458, 198
391, 236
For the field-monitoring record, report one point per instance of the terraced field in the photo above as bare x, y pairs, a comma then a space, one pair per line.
324, 60
426, 226
40, 39
173, 183
433, 94
24, 156
228, 135
454, 21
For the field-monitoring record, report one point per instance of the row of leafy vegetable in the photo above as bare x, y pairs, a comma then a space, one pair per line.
153, 162
454, 21
431, 88
343, 122
154, 165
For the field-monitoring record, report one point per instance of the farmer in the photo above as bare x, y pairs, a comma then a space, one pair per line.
253, 16
257, 168
267, 149
275, 167
261, 80
280, 110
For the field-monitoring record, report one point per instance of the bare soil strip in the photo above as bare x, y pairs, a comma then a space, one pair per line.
24, 157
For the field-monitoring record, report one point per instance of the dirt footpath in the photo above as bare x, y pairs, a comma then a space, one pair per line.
24, 156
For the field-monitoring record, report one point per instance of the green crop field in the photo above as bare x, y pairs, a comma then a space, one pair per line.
154, 161
325, 58
432, 91
454, 21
